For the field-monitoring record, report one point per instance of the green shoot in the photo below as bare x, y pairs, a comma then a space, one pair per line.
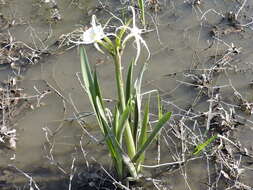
201, 146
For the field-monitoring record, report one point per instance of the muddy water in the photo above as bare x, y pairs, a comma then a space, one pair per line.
178, 46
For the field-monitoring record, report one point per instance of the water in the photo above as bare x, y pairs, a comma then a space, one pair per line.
181, 44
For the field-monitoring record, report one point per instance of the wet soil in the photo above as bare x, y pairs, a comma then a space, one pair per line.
201, 62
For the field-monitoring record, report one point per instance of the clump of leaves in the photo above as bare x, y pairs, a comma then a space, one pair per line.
130, 124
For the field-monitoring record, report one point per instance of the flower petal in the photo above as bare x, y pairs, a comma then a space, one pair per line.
88, 36
98, 48
146, 46
137, 41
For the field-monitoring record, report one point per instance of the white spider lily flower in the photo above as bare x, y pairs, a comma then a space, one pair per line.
135, 32
93, 35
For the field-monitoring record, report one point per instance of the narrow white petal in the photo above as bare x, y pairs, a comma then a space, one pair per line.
137, 41
98, 48
133, 11
129, 36
146, 46
93, 21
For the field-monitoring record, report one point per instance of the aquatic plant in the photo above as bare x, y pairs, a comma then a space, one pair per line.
126, 131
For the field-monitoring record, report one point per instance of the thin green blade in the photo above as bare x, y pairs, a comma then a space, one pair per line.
101, 110
86, 71
89, 82
151, 137
129, 82
200, 147
116, 121
97, 89
142, 8
143, 134
136, 120
122, 123
160, 107
114, 149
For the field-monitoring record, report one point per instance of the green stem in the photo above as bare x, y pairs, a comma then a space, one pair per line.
121, 95
119, 80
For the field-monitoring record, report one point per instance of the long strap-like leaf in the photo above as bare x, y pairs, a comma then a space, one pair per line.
91, 84
122, 123
143, 134
151, 137
129, 82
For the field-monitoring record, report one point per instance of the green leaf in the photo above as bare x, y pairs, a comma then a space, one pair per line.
200, 147
143, 134
129, 85
116, 121
138, 82
160, 108
142, 8
151, 137
137, 86
126, 159
101, 110
97, 89
135, 121
114, 149
137, 100
89, 83
122, 123
86, 73
110, 140
160, 114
